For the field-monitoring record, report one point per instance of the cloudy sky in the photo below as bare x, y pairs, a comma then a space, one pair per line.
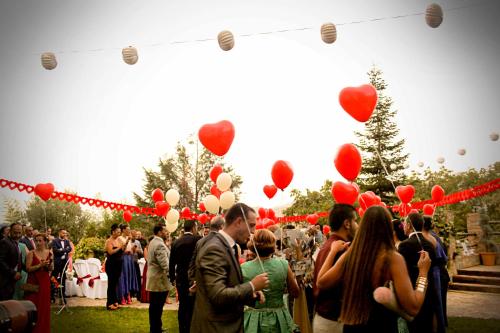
94, 122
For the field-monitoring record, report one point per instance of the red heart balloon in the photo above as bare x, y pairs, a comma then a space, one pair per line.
270, 190
359, 102
203, 218
326, 230
127, 216
201, 205
361, 212
367, 200
348, 161
268, 222
262, 212
282, 174
404, 209
44, 191
217, 137
312, 218
162, 208
413, 211
157, 195
215, 191
185, 212
259, 224
428, 209
271, 214
215, 172
405, 193
344, 193
437, 193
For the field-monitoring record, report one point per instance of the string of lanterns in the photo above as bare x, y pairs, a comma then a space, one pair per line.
328, 31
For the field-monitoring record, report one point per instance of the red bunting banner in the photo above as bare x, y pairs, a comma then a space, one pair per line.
474, 192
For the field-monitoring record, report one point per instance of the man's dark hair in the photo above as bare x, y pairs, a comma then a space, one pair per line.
114, 226
399, 230
217, 223
416, 221
338, 214
428, 224
157, 228
189, 225
15, 223
236, 211
123, 226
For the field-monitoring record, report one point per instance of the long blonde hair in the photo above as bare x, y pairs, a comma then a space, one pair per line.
373, 237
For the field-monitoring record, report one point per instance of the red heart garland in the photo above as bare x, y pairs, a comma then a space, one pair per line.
217, 137
3, 183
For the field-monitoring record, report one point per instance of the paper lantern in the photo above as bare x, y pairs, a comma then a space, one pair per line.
328, 33
393, 166
171, 227
420, 164
130, 55
494, 136
461, 152
434, 15
226, 40
227, 199
172, 197
172, 216
440, 160
49, 61
224, 181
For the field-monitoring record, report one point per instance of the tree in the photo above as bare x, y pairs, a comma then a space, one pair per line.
311, 201
187, 171
378, 142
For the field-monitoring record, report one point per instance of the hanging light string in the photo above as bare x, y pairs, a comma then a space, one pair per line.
202, 40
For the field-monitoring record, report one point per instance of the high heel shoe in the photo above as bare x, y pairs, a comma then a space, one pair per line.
129, 300
112, 307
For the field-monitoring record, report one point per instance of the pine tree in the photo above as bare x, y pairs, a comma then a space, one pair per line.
379, 138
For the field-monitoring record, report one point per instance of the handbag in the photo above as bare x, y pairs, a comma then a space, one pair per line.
30, 287
386, 296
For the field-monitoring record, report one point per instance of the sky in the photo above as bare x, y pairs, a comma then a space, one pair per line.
92, 124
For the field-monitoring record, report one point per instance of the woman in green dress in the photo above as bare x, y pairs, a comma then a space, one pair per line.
272, 315
18, 292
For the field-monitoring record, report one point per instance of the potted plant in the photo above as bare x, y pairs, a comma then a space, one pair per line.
486, 247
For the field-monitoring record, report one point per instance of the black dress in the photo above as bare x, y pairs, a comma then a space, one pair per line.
113, 270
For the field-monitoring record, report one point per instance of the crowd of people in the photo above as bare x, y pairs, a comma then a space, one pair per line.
229, 277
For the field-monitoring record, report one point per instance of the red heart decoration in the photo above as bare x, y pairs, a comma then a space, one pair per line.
344, 193
105, 204
203, 218
413, 211
12, 185
217, 137
404, 209
69, 197
271, 214
61, 196
91, 202
270, 190
359, 102
162, 208
348, 161
30, 189
312, 218
437, 193
428, 209
201, 205
21, 187
405, 193
3, 183
157, 195
185, 212
76, 200
98, 203
44, 191
367, 200
215, 172
215, 191
262, 212
282, 174
118, 207
127, 216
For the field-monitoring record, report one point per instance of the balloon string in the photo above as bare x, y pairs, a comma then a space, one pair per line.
254, 247
45, 216
385, 169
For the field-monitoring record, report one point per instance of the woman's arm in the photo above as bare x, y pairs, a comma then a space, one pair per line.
327, 276
29, 263
293, 287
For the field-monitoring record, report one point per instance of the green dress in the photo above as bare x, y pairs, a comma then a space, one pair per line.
273, 315
18, 292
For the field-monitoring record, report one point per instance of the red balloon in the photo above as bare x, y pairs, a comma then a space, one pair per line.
344, 193
405, 193
267, 223
348, 161
312, 218
428, 209
270, 190
361, 212
185, 212
326, 230
201, 205
413, 211
215, 172
359, 102
44, 191
404, 209
217, 137
259, 224
262, 212
127, 216
162, 208
367, 199
437, 193
215, 191
203, 218
157, 195
271, 214
282, 174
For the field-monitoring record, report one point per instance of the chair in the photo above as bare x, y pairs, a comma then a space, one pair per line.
100, 287
142, 263
71, 288
82, 271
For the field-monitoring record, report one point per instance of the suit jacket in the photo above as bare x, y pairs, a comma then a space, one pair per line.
192, 263
9, 266
60, 250
180, 256
158, 257
220, 293
25, 240
410, 249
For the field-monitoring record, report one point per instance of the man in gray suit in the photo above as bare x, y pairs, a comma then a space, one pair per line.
220, 291
157, 282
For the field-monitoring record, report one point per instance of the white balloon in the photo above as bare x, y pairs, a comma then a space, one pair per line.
393, 166
494, 136
406, 165
461, 152
224, 181
440, 160
420, 164
172, 197
172, 216
171, 227
227, 199
212, 204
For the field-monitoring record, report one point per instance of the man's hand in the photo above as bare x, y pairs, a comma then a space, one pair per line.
17, 277
260, 282
259, 295
192, 289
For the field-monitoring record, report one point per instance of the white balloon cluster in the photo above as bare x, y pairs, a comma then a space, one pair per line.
227, 198
172, 197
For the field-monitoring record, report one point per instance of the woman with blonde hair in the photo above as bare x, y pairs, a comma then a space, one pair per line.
272, 315
370, 262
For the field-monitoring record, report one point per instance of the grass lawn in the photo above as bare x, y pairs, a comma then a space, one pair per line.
126, 320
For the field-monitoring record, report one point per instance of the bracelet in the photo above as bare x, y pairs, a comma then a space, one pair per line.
421, 284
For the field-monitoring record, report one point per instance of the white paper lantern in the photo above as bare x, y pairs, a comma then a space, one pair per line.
434, 15
328, 33
393, 166
440, 160
49, 61
461, 152
212, 204
420, 164
494, 136
172, 216
172, 197
130, 55
224, 181
227, 199
226, 40
406, 165
172, 227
